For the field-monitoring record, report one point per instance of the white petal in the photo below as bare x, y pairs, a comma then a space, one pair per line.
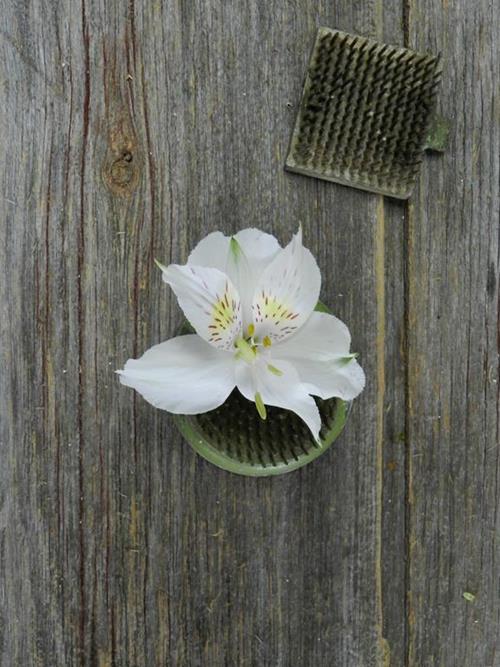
259, 247
211, 252
243, 257
320, 337
283, 391
184, 375
245, 268
336, 378
240, 272
287, 291
320, 353
209, 301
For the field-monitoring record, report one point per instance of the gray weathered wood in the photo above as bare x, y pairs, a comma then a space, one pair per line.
129, 131
453, 352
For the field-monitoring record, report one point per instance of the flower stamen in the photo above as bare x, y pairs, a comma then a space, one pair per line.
259, 404
246, 351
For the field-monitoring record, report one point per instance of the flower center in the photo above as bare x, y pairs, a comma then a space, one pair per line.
248, 348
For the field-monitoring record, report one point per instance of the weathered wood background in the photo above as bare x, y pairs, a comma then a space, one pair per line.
128, 131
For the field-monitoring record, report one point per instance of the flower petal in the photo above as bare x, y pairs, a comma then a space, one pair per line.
259, 247
211, 252
320, 353
250, 251
243, 257
241, 273
282, 389
287, 291
320, 337
209, 301
337, 378
184, 375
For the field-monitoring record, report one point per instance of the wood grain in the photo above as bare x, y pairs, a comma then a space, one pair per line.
130, 130
453, 353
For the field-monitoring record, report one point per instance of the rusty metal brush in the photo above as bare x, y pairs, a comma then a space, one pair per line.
367, 114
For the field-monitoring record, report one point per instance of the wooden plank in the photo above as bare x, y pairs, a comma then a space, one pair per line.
391, 230
40, 530
453, 347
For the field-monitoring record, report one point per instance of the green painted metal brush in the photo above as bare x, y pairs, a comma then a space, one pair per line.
235, 438
366, 114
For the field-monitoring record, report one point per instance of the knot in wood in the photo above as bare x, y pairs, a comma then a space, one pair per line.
122, 170
121, 166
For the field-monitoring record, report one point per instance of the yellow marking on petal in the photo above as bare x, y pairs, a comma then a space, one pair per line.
276, 315
223, 317
259, 404
266, 341
251, 330
275, 371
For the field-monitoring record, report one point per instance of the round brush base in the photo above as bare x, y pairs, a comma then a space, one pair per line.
235, 438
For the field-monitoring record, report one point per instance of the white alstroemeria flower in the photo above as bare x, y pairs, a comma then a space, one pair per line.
251, 304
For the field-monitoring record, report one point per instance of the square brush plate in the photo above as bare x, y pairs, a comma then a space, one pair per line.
365, 113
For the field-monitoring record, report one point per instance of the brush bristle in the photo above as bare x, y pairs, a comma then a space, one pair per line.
365, 113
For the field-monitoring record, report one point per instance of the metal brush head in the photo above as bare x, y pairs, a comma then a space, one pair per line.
235, 438
365, 113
